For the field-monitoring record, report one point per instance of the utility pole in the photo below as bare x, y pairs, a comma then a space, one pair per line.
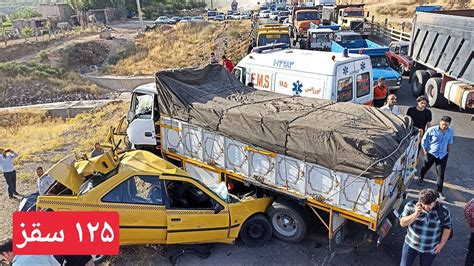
140, 14
212, 5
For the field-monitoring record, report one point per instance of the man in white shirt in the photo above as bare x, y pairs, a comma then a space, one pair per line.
390, 106
8, 169
44, 181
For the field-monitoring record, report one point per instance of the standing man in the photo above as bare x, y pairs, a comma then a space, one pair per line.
44, 181
213, 58
227, 63
391, 106
380, 92
97, 150
420, 114
436, 144
428, 228
469, 214
8, 169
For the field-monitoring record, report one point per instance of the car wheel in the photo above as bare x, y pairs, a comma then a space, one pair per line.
433, 93
419, 82
256, 231
289, 221
98, 259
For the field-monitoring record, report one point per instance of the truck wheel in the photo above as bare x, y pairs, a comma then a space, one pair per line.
289, 221
419, 82
256, 231
98, 259
401, 70
433, 93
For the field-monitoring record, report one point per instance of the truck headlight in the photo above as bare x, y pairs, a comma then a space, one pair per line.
399, 81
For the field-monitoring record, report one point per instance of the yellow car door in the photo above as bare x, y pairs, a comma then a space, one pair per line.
139, 201
194, 213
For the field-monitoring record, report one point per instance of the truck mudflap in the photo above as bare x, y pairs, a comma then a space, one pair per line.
389, 221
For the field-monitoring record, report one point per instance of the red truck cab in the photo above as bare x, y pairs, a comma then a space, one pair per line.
398, 57
301, 19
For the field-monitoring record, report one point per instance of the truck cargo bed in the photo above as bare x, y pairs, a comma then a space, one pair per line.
444, 41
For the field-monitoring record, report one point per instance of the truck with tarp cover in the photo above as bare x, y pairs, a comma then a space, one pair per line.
318, 159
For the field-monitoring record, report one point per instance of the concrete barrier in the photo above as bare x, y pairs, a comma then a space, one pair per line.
119, 83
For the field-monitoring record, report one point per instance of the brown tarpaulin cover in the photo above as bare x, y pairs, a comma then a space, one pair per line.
344, 137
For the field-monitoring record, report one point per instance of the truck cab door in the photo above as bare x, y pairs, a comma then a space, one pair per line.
141, 120
194, 213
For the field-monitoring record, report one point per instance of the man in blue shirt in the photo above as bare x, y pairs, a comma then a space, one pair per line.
436, 144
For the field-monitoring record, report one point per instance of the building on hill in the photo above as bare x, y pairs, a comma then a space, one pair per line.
62, 12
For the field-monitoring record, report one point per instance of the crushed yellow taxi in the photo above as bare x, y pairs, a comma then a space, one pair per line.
158, 203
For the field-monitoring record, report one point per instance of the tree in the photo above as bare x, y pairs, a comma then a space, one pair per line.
25, 13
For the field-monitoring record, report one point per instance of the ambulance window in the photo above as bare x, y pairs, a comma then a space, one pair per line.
237, 73
344, 89
363, 84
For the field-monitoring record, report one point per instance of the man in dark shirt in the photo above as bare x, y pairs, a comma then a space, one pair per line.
420, 115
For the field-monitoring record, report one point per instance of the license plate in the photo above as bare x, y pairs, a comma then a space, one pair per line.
387, 225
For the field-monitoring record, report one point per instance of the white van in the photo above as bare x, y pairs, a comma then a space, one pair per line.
316, 74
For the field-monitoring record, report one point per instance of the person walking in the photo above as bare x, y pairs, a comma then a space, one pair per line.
429, 227
469, 215
227, 63
97, 150
380, 93
8, 169
420, 114
44, 181
391, 106
436, 144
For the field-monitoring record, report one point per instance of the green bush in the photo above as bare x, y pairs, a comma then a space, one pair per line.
13, 69
43, 55
24, 13
122, 54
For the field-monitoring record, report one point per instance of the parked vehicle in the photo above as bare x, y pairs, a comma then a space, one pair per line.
235, 16
197, 19
158, 203
319, 39
245, 16
219, 18
211, 14
265, 14
174, 20
273, 33
302, 190
398, 58
441, 48
380, 67
274, 15
184, 20
162, 20
282, 15
350, 17
301, 18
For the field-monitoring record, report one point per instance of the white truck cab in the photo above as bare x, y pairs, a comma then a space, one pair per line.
340, 77
142, 116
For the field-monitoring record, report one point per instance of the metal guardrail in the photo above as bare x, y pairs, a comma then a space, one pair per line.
381, 30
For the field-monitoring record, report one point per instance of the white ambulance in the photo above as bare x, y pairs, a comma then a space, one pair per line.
340, 77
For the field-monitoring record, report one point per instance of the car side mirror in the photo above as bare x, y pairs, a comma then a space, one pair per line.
129, 116
218, 208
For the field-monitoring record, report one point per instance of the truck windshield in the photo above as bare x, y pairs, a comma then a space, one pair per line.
307, 16
354, 14
322, 37
404, 50
211, 13
142, 106
379, 61
265, 39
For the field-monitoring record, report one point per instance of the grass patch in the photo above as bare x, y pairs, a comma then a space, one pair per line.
35, 134
186, 45
30, 69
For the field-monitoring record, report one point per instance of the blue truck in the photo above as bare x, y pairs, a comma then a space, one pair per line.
380, 67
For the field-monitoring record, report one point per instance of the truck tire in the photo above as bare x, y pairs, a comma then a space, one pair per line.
432, 73
401, 70
256, 231
420, 77
289, 221
433, 93
99, 259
